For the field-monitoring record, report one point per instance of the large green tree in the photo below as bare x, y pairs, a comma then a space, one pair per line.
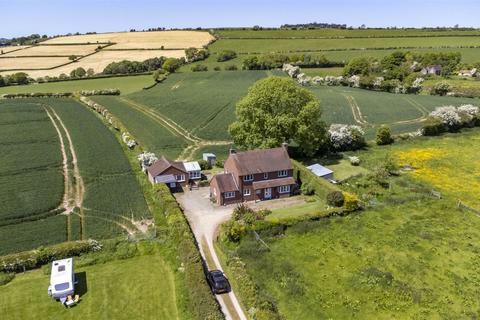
277, 110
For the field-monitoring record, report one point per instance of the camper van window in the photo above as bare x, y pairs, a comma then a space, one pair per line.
62, 286
61, 268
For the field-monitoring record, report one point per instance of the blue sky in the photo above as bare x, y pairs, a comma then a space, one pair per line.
22, 17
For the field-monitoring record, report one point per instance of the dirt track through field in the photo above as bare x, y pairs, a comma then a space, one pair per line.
175, 129
357, 113
66, 177
74, 191
166, 122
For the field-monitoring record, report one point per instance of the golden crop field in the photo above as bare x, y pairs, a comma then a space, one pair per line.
133, 46
31, 63
11, 48
142, 40
97, 61
46, 50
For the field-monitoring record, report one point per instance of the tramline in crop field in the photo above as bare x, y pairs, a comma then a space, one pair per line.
64, 176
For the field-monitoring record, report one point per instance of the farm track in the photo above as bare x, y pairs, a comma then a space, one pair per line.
66, 177
166, 122
74, 191
176, 129
357, 113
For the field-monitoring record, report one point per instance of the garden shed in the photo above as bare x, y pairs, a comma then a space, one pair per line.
210, 158
321, 171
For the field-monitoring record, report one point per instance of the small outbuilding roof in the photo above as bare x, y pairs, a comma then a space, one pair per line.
209, 155
166, 178
159, 166
319, 170
225, 182
192, 166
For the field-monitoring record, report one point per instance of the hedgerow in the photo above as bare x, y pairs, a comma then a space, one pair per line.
19, 262
200, 296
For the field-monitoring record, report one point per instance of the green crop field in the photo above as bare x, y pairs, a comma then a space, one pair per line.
339, 33
125, 84
151, 134
295, 45
402, 112
201, 103
140, 287
408, 256
34, 181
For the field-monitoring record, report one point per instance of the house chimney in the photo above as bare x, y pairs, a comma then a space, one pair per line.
232, 151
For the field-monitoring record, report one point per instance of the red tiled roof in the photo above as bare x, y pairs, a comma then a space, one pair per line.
225, 182
273, 183
163, 164
262, 160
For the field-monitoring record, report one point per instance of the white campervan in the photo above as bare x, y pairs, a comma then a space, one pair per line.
62, 279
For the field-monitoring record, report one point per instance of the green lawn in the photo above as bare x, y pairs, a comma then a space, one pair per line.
343, 169
297, 210
137, 288
125, 84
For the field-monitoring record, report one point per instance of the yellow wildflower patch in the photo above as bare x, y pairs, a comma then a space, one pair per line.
453, 170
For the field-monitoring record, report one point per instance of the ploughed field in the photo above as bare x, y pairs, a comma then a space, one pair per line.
49, 193
409, 255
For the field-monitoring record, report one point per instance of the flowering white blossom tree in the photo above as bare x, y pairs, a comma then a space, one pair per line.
146, 159
346, 137
448, 115
377, 83
354, 81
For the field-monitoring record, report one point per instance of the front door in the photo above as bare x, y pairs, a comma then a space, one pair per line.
268, 193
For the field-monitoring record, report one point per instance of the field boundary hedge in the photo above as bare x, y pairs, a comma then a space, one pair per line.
165, 208
27, 260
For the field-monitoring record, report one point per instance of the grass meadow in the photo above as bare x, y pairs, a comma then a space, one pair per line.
124, 289
409, 255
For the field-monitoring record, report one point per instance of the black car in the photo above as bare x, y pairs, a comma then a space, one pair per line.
218, 282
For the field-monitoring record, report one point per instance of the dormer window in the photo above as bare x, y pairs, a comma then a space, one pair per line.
283, 173
248, 177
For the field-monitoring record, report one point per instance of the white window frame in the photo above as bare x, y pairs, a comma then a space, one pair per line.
229, 194
265, 175
283, 173
247, 192
284, 189
248, 177
194, 174
180, 177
